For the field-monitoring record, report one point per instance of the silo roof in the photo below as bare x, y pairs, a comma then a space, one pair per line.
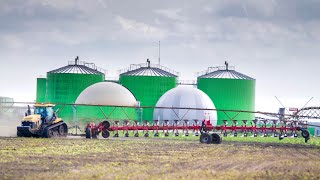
223, 72
79, 67
147, 69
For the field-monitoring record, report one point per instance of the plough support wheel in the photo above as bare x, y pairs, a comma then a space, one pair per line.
105, 134
205, 138
216, 138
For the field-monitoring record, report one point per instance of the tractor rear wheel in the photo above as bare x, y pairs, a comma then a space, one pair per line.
88, 133
216, 138
63, 130
48, 133
205, 138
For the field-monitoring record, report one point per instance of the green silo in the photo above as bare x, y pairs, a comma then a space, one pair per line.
66, 83
148, 82
41, 90
229, 90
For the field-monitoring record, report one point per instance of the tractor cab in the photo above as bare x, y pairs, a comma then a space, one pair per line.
46, 112
43, 113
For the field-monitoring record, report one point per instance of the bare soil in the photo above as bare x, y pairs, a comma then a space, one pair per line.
131, 158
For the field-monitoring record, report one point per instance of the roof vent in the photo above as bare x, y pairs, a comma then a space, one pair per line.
148, 62
227, 65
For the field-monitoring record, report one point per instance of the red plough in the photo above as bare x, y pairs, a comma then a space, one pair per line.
92, 130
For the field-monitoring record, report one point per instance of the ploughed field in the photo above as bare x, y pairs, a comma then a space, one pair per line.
152, 158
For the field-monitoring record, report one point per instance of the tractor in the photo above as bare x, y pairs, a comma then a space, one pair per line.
43, 123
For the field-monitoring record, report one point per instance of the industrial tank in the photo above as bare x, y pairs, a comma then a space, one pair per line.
66, 83
41, 90
111, 97
148, 82
185, 96
229, 90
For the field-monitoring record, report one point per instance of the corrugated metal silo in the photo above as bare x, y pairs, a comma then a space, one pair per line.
41, 90
66, 83
229, 90
148, 82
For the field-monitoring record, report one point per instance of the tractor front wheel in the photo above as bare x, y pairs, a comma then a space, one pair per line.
19, 134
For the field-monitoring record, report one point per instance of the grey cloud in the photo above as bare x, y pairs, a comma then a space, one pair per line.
273, 10
257, 36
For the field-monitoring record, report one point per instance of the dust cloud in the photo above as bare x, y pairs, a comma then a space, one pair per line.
9, 123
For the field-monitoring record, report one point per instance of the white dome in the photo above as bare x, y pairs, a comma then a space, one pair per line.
108, 94
185, 97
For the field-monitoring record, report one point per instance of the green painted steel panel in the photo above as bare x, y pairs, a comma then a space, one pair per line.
148, 90
230, 94
41, 90
65, 88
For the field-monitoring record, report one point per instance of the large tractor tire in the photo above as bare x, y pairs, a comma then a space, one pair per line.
63, 130
48, 133
206, 138
19, 134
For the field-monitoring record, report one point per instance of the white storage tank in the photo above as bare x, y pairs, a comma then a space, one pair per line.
185, 97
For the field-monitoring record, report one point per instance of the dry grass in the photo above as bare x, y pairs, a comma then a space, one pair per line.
146, 158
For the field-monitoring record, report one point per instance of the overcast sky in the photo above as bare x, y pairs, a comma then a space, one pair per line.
275, 42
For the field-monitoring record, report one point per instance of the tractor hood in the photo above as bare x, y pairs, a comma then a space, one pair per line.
32, 118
